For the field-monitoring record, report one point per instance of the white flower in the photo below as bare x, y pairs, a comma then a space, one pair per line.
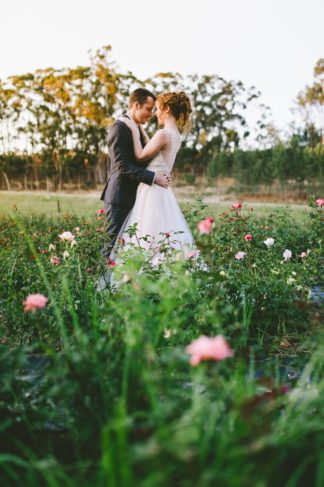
291, 280
126, 278
73, 243
269, 242
66, 254
51, 247
223, 274
67, 236
294, 273
158, 260
287, 254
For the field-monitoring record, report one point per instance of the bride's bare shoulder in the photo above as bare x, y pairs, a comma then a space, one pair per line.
163, 135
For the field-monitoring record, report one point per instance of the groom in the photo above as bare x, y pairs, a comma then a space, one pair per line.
125, 172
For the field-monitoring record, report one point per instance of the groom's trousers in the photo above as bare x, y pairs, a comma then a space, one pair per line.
116, 215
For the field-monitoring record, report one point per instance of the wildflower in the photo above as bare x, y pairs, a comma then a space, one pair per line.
223, 274
66, 254
236, 206
126, 278
320, 202
191, 254
77, 229
157, 260
51, 247
240, 255
67, 236
55, 260
291, 280
41, 251
101, 211
287, 254
269, 242
248, 237
73, 243
303, 255
205, 348
35, 301
205, 226
110, 262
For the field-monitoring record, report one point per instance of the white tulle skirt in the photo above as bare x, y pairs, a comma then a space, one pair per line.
157, 216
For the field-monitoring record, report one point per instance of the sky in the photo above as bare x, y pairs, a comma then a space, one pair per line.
270, 44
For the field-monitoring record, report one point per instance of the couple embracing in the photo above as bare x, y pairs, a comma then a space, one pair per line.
138, 188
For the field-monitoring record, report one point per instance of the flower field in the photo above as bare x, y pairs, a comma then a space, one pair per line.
204, 368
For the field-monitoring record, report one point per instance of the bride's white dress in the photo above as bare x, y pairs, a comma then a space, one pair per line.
156, 212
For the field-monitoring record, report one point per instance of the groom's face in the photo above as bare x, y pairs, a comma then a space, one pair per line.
143, 113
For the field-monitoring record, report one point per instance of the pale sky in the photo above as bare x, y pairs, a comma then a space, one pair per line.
271, 44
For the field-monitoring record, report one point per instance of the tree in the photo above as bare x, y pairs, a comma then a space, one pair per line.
311, 99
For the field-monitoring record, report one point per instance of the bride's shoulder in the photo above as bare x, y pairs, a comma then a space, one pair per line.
163, 135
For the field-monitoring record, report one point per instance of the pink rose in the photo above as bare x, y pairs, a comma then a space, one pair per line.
67, 236
191, 254
101, 211
205, 348
236, 206
248, 237
55, 260
35, 301
240, 255
205, 226
110, 262
320, 202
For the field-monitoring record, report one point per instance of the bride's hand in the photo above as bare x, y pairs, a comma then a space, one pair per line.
130, 124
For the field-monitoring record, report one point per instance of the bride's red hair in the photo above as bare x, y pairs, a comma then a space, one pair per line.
179, 105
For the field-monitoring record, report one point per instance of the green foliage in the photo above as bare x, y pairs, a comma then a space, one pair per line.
113, 400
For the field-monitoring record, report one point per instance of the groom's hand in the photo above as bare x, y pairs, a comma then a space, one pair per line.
162, 179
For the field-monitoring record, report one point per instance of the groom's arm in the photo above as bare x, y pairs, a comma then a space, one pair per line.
118, 141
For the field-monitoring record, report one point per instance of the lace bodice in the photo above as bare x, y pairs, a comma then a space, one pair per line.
165, 158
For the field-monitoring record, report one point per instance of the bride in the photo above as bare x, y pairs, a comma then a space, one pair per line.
156, 215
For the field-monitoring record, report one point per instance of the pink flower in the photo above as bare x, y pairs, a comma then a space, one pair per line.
205, 348
205, 226
101, 211
303, 255
35, 301
67, 236
55, 260
320, 202
110, 262
236, 206
248, 237
240, 255
191, 254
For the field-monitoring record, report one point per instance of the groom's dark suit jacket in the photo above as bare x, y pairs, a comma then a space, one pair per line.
125, 172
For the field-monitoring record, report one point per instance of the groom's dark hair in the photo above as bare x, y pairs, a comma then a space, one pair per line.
140, 95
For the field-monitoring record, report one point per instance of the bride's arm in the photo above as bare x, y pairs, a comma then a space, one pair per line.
153, 146
158, 141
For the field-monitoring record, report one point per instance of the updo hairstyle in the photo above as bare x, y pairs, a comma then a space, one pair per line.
179, 105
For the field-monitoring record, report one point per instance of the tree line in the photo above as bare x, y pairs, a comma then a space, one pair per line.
54, 123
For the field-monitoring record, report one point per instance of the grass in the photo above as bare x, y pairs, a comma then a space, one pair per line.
83, 205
